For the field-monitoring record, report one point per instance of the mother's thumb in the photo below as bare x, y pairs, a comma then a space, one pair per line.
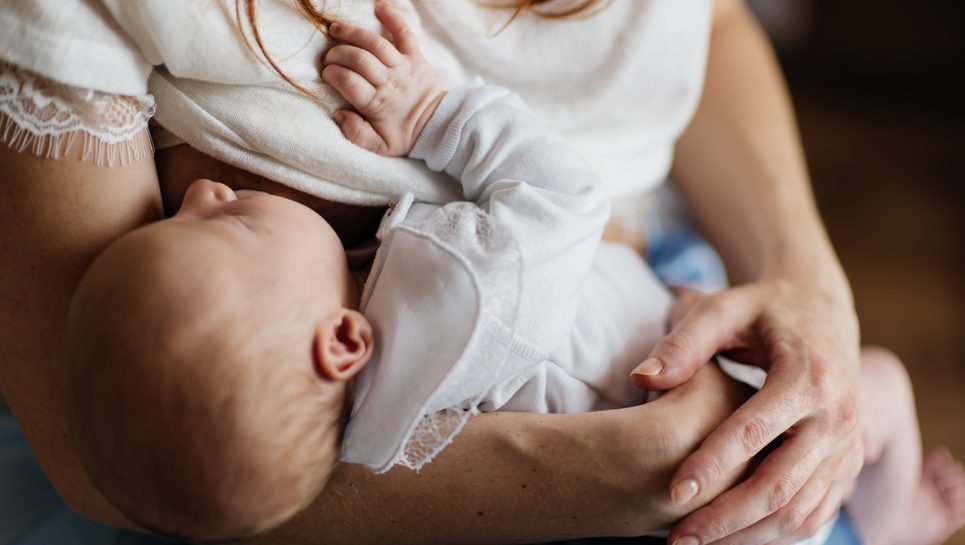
671, 363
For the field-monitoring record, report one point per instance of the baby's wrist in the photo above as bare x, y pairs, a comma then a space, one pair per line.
426, 113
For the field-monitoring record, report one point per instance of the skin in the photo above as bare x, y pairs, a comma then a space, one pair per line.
739, 164
741, 168
196, 279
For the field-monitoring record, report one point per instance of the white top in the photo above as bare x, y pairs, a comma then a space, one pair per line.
620, 85
508, 302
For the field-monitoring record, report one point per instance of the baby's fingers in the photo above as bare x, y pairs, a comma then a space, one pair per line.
367, 40
402, 35
359, 131
359, 61
355, 89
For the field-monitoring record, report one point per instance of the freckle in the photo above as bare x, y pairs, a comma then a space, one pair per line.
573, 517
480, 513
524, 485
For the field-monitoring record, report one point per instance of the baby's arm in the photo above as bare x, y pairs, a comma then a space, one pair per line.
532, 185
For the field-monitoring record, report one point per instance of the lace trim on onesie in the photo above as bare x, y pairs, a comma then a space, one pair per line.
495, 259
52, 120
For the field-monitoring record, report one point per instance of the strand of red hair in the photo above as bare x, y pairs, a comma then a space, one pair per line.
245, 12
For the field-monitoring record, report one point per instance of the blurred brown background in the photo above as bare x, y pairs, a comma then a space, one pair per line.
879, 90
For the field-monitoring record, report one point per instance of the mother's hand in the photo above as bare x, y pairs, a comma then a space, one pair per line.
807, 341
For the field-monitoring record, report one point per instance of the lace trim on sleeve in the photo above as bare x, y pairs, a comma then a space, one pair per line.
52, 120
495, 259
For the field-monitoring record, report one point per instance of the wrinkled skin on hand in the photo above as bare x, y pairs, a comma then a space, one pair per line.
808, 401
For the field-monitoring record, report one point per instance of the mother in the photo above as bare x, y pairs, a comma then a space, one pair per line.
509, 477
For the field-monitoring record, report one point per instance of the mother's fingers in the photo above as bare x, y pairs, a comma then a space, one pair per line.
779, 482
684, 300
789, 518
765, 416
709, 327
823, 515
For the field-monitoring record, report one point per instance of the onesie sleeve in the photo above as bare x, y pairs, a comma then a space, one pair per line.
534, 188
465, 295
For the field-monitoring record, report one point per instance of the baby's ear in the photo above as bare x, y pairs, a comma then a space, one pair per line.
343, 345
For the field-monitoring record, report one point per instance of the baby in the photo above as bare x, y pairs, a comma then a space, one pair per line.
221, 358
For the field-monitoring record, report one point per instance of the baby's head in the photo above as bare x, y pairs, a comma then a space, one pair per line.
208, 361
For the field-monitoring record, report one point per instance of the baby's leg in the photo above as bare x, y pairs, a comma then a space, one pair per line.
901, 499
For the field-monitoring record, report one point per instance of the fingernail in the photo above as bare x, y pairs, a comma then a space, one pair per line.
339, 117
683, 492
335, 28
687, 540
649, 368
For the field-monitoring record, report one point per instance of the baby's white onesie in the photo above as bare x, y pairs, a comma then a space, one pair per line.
508, 302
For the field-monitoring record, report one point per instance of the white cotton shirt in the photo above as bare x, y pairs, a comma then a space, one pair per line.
620, 84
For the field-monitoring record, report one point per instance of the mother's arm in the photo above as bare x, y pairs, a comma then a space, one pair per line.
57, 216
741, 168
523, 477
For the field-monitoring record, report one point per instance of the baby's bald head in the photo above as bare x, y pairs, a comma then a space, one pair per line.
195, 404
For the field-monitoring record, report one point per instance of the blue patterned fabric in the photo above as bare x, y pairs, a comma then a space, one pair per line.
676, 252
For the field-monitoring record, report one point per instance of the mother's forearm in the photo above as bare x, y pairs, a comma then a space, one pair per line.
741, 167
517, 477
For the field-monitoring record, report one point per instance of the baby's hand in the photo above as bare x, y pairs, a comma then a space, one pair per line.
391, 86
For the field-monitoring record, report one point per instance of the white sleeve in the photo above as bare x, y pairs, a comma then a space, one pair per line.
534, 187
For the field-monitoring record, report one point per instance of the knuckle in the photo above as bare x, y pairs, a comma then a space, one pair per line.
706, 469
810, 526
382, 49
793, 519
848, 412
714, 304
712, 526
343, 78
709, 524
378, 102
356, 56
819, 376
754, 434
782, 491
677, 344
717, 529
353, 132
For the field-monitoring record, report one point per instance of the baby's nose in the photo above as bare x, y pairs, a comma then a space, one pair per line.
202, 195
